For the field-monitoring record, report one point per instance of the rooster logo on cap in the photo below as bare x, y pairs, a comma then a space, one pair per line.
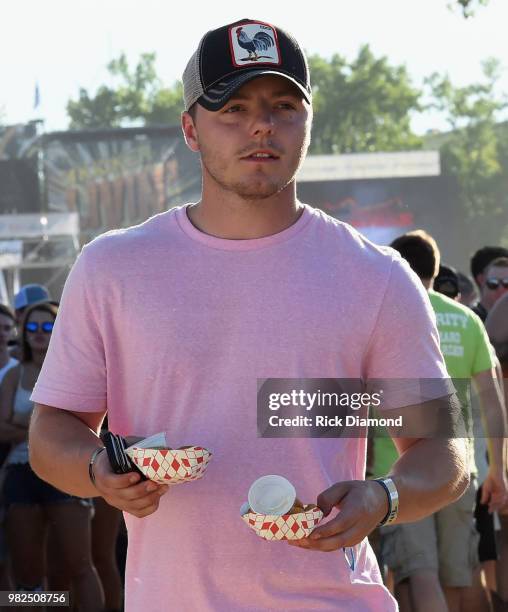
260, 42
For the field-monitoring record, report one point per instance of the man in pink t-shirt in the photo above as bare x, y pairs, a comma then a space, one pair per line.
169, 325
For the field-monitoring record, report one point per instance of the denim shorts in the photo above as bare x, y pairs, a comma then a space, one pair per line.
23, 486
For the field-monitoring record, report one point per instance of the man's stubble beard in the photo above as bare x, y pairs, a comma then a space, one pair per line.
253, 189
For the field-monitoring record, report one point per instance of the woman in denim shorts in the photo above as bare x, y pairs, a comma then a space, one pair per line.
32, 504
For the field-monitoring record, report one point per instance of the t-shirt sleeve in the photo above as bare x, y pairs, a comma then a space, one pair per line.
73, 375
403, 356
484, 354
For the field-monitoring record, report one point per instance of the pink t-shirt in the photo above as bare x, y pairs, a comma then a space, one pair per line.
169, 329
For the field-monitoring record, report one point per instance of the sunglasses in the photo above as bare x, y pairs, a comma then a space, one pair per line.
46, 327
495, 283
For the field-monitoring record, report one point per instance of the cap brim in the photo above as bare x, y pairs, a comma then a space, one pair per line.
218, 95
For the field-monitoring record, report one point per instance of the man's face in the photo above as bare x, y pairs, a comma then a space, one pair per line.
254, 145
493, 287
6, 330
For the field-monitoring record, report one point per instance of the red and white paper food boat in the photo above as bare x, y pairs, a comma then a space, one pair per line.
283, 527
169, 465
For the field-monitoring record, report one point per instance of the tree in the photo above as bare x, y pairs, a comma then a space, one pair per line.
476, 149
468, 7
362, 106
139, 97
99, 111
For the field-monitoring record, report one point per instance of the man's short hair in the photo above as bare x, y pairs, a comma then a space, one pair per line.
483, 257
193, 111
499, 262
420, 250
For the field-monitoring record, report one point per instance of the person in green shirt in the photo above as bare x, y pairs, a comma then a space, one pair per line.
433, 560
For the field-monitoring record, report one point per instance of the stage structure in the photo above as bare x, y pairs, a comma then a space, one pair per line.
60, 190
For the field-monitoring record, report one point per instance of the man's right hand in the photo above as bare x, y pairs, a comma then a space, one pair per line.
127, 491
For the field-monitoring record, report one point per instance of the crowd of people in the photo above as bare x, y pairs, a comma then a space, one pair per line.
455, 560
168, 325
48, 539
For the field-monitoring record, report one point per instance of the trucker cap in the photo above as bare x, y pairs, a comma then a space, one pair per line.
29, 294
232, 55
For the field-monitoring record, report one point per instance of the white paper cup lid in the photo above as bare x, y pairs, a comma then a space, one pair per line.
271, 495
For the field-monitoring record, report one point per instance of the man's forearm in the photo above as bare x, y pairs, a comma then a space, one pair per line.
62, 443
493, 423
492, 414
60, 448
429, 475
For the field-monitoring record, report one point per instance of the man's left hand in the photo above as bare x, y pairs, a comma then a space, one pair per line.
494, 489
362, 505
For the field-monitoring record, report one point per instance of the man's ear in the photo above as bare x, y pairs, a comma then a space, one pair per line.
189, 132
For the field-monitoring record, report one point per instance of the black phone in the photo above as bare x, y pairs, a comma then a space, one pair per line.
120, 462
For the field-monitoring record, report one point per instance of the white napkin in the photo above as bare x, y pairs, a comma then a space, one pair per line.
156, 441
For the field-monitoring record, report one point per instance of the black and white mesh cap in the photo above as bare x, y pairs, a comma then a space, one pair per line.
234, 54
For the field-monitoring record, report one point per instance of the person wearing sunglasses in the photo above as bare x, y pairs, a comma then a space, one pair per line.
32, 504
480, 261
494, 285
436, 558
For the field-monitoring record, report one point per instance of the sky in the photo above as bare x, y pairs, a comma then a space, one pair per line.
64, 45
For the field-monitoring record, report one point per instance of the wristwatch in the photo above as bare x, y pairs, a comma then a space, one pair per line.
393, 499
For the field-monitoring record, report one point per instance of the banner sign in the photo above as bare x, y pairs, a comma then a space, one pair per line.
116, 178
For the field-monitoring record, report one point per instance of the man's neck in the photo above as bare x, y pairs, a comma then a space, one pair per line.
224, 214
